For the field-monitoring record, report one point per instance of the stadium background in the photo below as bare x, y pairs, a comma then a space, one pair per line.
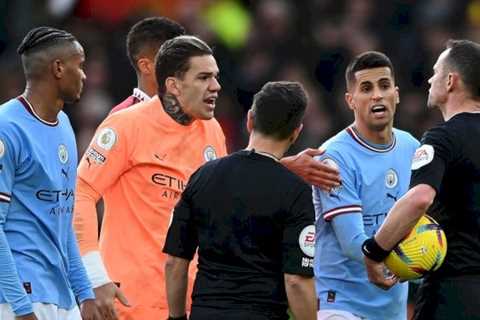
255, 41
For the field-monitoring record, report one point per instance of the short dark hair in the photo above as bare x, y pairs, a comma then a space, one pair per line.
367, 60
37, 48
278, 108
150, 34
464, 58
173, 58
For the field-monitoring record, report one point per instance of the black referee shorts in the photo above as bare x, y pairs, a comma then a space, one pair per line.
205, 313
450, 298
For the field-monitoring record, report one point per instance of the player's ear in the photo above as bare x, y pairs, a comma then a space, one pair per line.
172, 86
452, 81
296, 133
349, 100
57, 68
250, 121
145, 66
397, 95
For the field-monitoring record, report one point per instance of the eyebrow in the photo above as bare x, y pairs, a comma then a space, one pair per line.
365, 82
207, 72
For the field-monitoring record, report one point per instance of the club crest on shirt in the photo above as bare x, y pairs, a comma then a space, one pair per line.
423, 156
306, 240
2, 149
391, 179
209, 153
106, 138
62, 154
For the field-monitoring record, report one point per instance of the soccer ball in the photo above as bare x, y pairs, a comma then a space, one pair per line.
421, 252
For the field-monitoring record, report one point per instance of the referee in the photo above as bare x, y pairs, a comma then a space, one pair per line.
252, 221
445, 184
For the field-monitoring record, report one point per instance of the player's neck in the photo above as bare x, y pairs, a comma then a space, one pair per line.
383, 136
147, 86
267, 146
172, 107
44, 103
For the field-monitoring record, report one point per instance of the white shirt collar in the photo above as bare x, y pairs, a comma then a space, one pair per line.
140, 95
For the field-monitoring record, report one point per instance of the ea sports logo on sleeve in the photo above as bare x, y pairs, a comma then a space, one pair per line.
306, 240
423, 156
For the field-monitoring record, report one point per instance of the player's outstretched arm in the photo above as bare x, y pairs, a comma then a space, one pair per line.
176, 280
312, 171
301, 296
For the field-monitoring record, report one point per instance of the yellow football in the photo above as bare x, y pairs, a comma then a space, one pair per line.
421, 252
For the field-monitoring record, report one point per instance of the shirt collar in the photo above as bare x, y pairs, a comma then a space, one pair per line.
140, 95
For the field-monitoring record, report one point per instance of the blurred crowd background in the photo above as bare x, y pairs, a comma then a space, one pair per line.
310, 41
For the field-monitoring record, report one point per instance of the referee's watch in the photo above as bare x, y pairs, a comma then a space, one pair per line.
372, 250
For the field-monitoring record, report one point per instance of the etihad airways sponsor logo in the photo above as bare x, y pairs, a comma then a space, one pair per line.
173, 186
54, 195
57, 196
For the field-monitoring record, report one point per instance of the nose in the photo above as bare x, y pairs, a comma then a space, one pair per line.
84, 76
430, 80
377, 94
215, 85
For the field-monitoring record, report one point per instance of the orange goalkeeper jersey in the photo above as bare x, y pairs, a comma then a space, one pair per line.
139, 161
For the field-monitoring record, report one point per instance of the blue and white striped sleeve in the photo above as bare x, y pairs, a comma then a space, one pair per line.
342, 207
341, 200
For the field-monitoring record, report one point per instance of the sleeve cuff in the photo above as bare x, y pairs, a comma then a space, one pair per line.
330, 214
86, 295
95, 269
23, 309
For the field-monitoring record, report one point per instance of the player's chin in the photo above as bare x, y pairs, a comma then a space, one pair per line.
71, 100
380, 125
207, 115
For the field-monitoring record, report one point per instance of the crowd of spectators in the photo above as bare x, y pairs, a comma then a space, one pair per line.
309, 41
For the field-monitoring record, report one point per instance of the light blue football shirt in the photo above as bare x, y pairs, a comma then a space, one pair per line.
373, 178
39, 257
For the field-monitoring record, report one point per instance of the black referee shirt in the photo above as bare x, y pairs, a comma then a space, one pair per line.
245, 213
449, 161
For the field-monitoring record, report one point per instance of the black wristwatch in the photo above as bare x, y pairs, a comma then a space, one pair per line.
371, 249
